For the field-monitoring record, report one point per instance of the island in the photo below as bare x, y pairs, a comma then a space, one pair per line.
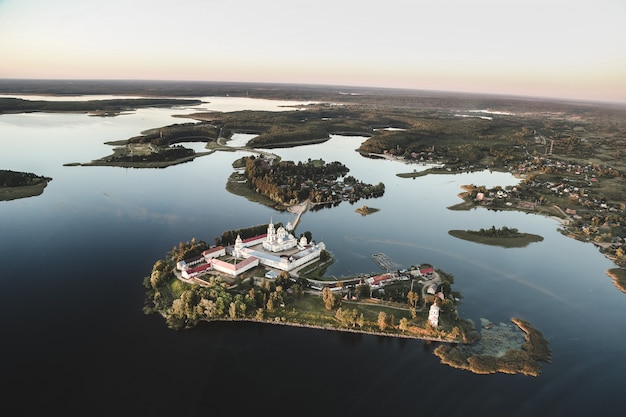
287, 183
266, 274
15, 184
365, 210
505, 237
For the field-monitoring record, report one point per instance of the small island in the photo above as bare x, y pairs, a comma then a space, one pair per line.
14, 184
365, 210
505, 237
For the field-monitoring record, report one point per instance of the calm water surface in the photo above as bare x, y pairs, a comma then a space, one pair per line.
73, 260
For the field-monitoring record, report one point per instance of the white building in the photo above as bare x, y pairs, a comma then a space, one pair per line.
214, 252
294, 253
433, 315
262, 249
278, 240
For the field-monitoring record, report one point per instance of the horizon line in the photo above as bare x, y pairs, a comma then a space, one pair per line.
327, 85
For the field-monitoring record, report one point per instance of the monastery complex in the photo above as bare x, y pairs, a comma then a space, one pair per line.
277, 250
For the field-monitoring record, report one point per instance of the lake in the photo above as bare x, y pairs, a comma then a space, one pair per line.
76, 341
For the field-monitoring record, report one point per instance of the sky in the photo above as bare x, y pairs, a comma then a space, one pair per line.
540, 48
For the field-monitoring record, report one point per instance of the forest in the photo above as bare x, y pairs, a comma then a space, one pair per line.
290, 183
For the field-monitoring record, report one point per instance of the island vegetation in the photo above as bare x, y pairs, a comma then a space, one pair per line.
525, 360
289, 183
507, 237
15, 184
366, 210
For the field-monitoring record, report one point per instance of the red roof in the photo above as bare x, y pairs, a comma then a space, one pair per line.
234, 267
213, 249
198, 268
250, 239
380, 278
427, 270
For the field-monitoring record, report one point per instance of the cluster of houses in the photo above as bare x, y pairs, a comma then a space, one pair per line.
379, 281
277, 249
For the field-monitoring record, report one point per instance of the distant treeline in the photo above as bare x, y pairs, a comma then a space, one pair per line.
17, 105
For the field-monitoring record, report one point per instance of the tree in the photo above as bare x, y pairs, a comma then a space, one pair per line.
232, 310
341, 316
330, 301
404, 324
361, 320
382, 321
413, 298
270, 305
363, 291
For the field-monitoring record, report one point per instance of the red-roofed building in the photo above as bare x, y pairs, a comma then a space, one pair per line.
380, 280
235, 269
254, 240
214, 252
191, 272
427, 271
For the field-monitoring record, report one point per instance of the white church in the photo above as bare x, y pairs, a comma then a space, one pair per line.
278, 249
278, 240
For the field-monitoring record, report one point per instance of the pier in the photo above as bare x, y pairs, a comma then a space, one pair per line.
384, 262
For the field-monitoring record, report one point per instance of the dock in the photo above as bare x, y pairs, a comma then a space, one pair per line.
384, 262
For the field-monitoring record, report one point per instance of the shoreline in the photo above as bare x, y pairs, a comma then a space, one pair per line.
618, 276
329, 328
15, 193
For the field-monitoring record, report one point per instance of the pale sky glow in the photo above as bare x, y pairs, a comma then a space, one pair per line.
552, 48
